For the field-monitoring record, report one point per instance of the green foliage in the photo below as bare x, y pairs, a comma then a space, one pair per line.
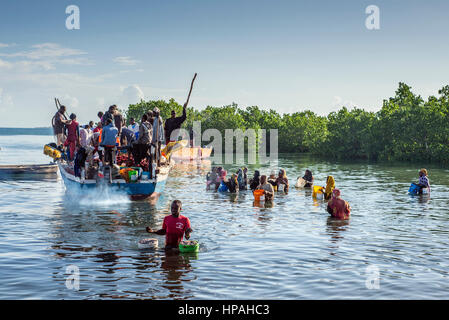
406, 128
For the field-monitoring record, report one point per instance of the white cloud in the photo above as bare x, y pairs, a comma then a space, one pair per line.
126, 95
5, 64
5, 100
69, 101
45, 50
130, 95
7, 45
339, 102
126, 61
44, 56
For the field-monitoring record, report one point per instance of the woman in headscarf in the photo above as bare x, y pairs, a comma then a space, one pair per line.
232, 184
337, 207
282, 181
423, 182
211, 178
255, 181
223, 184
272, 179
330, 186
241, 178
308, 177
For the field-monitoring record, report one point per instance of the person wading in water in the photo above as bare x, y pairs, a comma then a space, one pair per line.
174, 227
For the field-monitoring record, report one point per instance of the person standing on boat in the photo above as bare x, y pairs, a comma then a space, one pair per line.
158, 134
174, 123
108, 115
59, 121
174, 227
84, 136
134, 127
127, 137
100, 116
94, 141
142, 145
118, 120
73, 136
108, 140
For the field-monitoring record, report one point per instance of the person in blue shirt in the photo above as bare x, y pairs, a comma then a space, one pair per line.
108, 140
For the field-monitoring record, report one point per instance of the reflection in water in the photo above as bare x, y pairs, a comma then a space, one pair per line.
44, 230
176, 266
263, 204
335, 229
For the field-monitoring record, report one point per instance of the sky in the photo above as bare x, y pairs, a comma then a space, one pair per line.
284, 55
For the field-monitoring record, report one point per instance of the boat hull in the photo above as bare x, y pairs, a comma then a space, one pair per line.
193, 153
138, 190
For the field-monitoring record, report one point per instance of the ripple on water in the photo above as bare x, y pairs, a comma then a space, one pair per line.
291, 250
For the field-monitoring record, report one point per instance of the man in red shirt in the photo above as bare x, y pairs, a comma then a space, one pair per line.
73, 136
174, 227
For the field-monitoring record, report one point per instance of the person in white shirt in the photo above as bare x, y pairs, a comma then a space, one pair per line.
84, 136
134, 127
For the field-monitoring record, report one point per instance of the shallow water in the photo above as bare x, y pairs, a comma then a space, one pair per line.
290, 251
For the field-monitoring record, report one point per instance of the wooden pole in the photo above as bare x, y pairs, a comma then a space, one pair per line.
191, 87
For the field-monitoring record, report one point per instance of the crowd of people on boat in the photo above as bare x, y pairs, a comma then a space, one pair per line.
106, 141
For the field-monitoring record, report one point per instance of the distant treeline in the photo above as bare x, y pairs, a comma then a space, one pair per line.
406, 128
26, 131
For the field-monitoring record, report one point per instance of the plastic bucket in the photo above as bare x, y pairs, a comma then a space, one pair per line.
300, 183
223, 187
147, 243
258, 195
414, 189
133, 175
318, 192
189, 246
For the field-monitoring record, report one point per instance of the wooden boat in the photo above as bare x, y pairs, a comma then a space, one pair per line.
29, 169
136, 190
192, 153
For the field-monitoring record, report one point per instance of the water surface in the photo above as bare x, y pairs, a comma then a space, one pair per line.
292, 250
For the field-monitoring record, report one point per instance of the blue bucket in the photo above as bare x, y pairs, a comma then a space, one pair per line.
223, 187
414, 189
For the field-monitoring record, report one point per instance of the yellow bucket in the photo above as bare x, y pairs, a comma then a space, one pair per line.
318, 192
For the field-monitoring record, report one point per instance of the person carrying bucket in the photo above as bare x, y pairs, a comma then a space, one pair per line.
174, 227
423, 182
268, 190
282, 181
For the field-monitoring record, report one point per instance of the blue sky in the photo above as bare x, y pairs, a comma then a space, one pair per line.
285, 55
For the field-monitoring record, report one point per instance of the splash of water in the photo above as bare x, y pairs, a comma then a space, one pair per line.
99, 196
